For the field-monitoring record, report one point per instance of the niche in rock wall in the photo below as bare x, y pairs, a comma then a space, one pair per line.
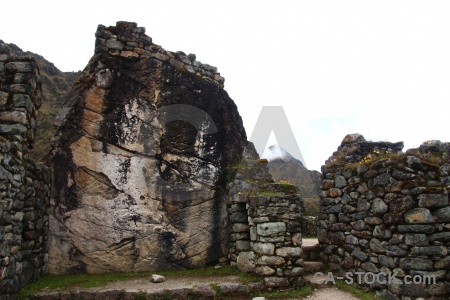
177, 144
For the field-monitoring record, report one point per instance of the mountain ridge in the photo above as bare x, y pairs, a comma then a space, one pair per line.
283, 166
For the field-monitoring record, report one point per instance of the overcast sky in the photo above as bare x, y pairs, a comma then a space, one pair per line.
379, 68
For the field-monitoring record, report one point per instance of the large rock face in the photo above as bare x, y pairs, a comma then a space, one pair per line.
140, 160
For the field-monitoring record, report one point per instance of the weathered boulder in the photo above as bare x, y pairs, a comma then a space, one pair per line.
141, 159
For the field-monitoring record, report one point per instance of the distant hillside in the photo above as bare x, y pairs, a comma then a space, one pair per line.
283, 166
55, 85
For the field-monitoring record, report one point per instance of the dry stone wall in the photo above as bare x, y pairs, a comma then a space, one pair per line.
127, 40
275, 234
385, 211
309, 226
265, 225
247, 176
24, 184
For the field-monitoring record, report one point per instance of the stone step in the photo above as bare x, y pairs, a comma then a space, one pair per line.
309, 249
312, 266
228, 290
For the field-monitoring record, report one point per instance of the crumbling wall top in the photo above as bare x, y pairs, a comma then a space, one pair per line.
20, 96
128, 40
355, 148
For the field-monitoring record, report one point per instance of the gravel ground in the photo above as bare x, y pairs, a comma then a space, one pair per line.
327, 293
322, 293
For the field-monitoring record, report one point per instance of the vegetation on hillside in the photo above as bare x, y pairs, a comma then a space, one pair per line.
55, 86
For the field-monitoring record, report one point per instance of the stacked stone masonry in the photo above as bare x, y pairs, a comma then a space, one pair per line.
385, 211
275, 234
24, 184
309, 226
127, 40
249, 174
265, 226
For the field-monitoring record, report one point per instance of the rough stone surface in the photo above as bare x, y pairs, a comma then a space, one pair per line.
419, 216
442, 215
264, 248
271, 260
378, 206
246, 261
267, 229
433, 200
276, 282
416, 264
396, 219
416, 239
289, 252
24, 184
205, 292
264, 271
141, 158
233, 288
429, 251
274, 215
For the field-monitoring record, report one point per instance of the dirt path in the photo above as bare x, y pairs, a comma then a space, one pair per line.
327, 293
178, 284
170, 283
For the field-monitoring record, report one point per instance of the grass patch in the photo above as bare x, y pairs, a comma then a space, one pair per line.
140, 295
289, 293
68, 282
357, 292
207, 271
431, 159
249, 181
246, 278
218, 290
71, 281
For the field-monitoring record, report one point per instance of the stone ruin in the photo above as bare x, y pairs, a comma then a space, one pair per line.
129, 41
151, 169
146, 144
24, 184
265, 224
383, 210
